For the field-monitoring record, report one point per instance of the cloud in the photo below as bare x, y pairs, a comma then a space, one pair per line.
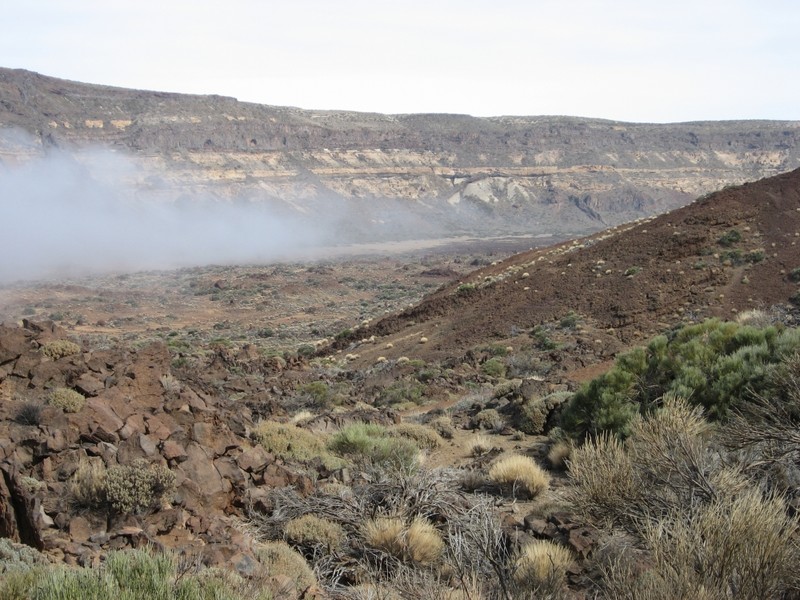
65, 215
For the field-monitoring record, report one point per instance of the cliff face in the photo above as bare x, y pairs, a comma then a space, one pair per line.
538, 175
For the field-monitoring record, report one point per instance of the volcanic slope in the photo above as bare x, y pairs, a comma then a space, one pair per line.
727, 252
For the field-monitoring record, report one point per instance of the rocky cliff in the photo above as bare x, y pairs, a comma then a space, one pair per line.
539, 175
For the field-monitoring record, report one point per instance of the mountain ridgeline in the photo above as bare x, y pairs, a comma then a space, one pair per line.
444, 174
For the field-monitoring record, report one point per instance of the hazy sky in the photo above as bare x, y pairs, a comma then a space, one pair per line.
634, 60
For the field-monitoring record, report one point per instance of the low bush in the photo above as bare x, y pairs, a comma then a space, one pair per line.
489, 419
423, 436
531, 415
16, 557
279, 558
370, 444
130, 575
59, 349
519, 476
290, 442
310, 530
715, 364
443, 426
729, 238
401, 392
66, 399
138, 487
494, 367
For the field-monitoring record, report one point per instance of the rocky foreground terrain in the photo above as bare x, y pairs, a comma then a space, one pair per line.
390, 175
218, 450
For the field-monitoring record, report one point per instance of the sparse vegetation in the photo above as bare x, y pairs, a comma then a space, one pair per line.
66, 399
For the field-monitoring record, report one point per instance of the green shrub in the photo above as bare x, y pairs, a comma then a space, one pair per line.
133, 575
149, 574
138, 487
371, 444
66, 399
794, 275
730, 238
494, 367
15, 557
318, 392
75, 584
400, 392
715, 364
531, 415
60, 348
570, 320
465, 289
543, 339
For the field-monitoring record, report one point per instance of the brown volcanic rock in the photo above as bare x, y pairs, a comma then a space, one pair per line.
634, 279
133, 416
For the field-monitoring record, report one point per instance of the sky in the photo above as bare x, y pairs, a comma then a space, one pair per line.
629, 60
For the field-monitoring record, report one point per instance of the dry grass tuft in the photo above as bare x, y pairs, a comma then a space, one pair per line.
419, 542
424, 543
479, 445
541, 562
559, 454
310, 530
519, 474
385, 534
87, 486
